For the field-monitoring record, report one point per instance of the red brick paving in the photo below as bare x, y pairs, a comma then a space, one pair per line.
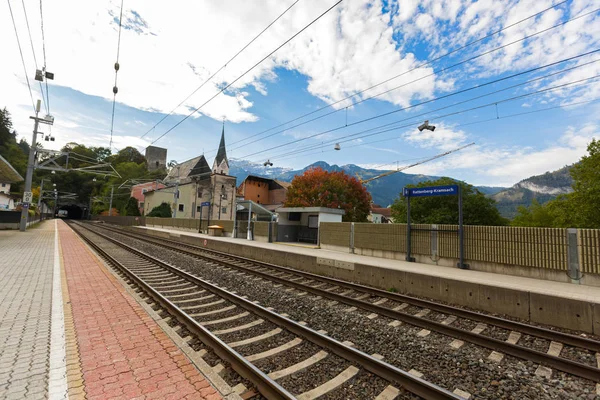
124, 353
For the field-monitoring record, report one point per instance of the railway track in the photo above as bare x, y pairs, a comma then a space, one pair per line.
249, 336
417, 312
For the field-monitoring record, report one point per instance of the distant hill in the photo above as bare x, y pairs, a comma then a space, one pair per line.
543, 188
383, 191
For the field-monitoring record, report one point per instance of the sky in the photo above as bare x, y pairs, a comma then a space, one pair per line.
522, 87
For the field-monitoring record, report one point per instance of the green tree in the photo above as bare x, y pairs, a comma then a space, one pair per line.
574, 210
131, 209
319, 188
478, 209
163, 211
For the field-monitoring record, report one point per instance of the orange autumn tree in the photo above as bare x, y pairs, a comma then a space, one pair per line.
319, 188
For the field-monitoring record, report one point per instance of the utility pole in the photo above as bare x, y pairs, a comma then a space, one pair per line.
39, 203
30, 165
112, 188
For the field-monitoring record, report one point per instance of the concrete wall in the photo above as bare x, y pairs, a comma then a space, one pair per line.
556, 311
531, 252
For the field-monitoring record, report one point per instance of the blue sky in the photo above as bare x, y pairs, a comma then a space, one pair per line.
357, 45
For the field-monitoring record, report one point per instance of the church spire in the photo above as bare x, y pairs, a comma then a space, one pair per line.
221, 164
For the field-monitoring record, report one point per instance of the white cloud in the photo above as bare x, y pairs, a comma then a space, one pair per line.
504, 165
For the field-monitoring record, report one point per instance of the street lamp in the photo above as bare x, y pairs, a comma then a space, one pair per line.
425, 125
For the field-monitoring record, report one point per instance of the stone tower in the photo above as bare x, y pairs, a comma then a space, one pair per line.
221, 164
156, 158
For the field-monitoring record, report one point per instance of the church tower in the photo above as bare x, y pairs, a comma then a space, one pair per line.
221, 164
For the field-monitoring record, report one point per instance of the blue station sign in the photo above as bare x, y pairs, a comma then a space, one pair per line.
205, 204
447, 190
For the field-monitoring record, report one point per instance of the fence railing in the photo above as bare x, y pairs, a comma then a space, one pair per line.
546, 248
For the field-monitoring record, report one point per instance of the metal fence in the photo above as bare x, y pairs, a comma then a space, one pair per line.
531, 247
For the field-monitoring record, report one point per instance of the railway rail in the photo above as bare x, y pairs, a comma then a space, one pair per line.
394, 306
205, 309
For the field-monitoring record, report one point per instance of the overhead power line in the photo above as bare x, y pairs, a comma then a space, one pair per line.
315, 146
222, 67
425, 102
44, 54
497, 118
34, 57
416, 117
115, 88
247, 71
401, 74
21, 52
421, 78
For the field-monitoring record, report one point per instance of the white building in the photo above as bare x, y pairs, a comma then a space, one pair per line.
8, 176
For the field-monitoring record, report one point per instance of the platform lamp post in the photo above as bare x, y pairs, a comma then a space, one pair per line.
27, 196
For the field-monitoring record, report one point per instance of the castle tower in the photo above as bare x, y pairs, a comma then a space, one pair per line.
221, 164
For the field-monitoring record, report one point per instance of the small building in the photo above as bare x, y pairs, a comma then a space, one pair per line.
196, 184
156, 158
270, 193
138, 192
8, 176
380, 215
301, 224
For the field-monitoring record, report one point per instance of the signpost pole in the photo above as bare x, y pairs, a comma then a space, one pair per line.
200, 225
461, 236
408, 255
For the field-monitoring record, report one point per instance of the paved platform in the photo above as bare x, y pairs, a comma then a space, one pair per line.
554, 303
70, 330
26, 271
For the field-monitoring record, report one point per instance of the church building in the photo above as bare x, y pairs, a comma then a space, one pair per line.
193, 183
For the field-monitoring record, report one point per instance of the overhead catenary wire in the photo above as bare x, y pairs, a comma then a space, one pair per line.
21, 52
44, 54
315, 146
115, 88
247, 71
421, 65
222, 67
34, 56
423, 77
492, 104
455, 126
343, 126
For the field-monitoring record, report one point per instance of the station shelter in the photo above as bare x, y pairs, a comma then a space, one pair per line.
301, 224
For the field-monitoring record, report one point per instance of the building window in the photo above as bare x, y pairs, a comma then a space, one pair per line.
200, 193
4, 185
144, 190
141, 205
198, 208
258, 195
224, 210
180, 207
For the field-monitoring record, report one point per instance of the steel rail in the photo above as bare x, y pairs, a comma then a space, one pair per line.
265, 385
413, 384
565, 365
544, 333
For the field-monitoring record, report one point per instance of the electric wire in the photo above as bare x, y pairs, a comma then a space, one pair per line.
426, 76
222, 67
112, 121
460, 126
577, 82
44, 54
21, 52
403, 73
247, 71
34, 57
426, 102
315, 146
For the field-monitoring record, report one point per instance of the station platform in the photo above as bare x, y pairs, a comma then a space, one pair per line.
559, 304
70, 329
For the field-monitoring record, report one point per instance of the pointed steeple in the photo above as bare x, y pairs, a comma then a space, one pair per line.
221, 164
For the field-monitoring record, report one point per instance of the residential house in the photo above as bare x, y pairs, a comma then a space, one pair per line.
270, 193
8, 176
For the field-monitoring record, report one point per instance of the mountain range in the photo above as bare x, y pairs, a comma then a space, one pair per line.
384, 191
